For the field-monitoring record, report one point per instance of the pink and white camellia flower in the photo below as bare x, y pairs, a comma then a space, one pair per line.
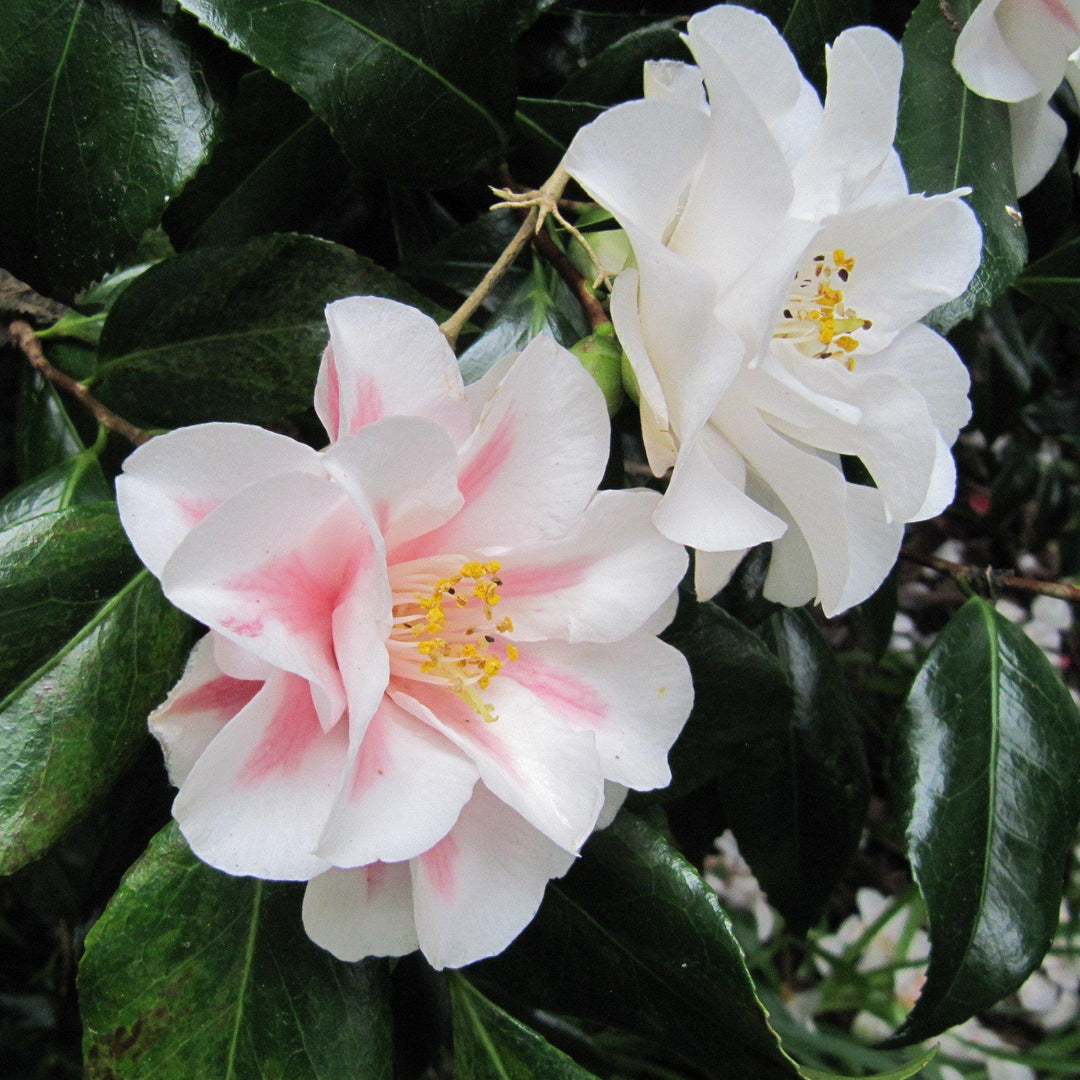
770, 309
1019, 51
432, 653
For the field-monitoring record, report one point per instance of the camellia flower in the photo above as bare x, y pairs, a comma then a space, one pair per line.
432, 647
770, 312
1019, 51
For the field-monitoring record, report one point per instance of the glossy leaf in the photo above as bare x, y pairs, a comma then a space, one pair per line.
741, 695
949, 137
988, 783
543, 130
192, 973
634, 938
231, 333
422, 98
489, 1044
72, 482
1054, 281
275, 167
90, 646
799, 840
44, 433
107, 113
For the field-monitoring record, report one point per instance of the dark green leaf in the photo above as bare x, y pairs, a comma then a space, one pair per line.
97, 647
72, 482
542, 303
106, 115
192, 973
799, 838
275, 167
988, 782
740, 693
949, 137
615, 75
544, 128
902, 1072
1054, 281
876, 615
423, 96
634, 938
489, 1044
44, 434
231, 333
523, 13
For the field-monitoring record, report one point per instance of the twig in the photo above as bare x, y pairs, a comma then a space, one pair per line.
22, 334
545, 197
594, 310
986, 579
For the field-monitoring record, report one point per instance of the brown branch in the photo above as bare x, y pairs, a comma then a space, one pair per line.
986, 579
594, 310
22, 334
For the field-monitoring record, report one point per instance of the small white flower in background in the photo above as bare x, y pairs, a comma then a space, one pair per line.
771, 314
1019, 51
728, 873
432, 669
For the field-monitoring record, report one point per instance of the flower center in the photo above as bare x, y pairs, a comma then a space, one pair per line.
815, 318
445, 630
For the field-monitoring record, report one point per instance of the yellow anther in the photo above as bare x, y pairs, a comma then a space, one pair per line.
484, 682
469, 650
512, 652
847, 343
842, 260
506, 626
493, 567
492, 665
428, 666
473, 570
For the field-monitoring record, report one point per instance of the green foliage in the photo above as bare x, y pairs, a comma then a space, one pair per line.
988, 775
191, 972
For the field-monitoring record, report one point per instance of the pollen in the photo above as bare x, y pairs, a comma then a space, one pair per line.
816, 319
461, 649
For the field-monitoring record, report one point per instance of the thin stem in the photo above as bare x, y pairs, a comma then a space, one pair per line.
22, 334
988, 580
594, 310
547, 195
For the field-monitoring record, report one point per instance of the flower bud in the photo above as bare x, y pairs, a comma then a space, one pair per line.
602, 357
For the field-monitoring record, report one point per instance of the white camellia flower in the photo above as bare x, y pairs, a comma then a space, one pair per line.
771, 311
1019, 51
432, 654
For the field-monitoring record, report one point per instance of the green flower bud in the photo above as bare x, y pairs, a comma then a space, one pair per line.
602, 357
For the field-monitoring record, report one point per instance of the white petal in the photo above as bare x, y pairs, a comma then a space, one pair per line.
363, 912
1041, 35
713, 570
1038, 134
534, 460
480, 887
986, 61
942, 487
634, 694
662, 618
403, 792
197, 708
705, 506
387, 359
598, 583
637, 161
535, 762
854, 139
258, 797
675, 82
267, 568
172, 482
614, 797
873, 545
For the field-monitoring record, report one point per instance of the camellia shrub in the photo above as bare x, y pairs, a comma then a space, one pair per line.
539, 540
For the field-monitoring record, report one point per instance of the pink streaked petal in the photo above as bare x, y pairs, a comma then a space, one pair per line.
600, 582
480, 887
267, 570
404, 469
532, 759
197, 708
387, 359
173, 482
533, 462
363, 912
635, 695
403, 794
258, 797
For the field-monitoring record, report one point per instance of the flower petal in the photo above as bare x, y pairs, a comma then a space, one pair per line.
675, 82
387, 359
267, 568
598, 583
635, 694
533, 462
548, 771
1038, 134
713, 570
476, 890
197, 708
403, 792
258, 797
986, 61
363, 912
175, 480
